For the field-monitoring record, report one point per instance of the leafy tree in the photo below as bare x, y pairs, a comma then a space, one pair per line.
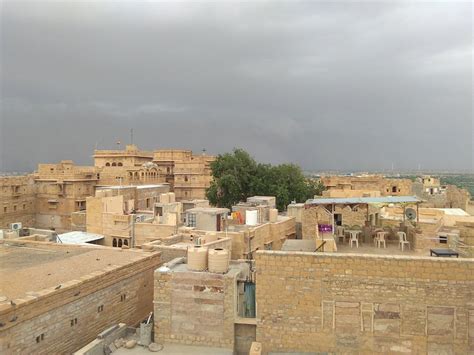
237, 176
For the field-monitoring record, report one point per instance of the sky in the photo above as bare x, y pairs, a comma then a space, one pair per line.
339, 85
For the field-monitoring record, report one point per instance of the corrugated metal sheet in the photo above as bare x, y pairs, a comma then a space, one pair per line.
363, 200
78, 237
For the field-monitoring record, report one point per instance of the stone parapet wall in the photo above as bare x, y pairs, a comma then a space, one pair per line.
364, 303
195, 308
62, 320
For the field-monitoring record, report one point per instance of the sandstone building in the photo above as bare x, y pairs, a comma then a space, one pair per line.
56, 298
188, 174
55, 195
62, 189
365, 186
17, 200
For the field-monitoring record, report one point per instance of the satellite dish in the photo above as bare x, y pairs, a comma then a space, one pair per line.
410, 213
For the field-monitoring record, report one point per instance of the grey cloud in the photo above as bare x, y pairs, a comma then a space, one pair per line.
340, 85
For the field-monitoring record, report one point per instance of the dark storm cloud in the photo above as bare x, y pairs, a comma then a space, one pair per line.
339, 85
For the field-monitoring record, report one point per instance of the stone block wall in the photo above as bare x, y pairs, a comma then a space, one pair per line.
17, 201
61, 321
342, 303
147, 232
195, 308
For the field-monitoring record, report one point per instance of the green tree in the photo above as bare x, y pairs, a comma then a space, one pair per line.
237, 176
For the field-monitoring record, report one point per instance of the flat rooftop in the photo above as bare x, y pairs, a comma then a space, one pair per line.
368, 248
31, 267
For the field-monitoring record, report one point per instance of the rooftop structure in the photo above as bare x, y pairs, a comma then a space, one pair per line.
78, 237
49, 290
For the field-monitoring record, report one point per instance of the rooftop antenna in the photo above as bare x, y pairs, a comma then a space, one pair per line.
131, 136
203, 151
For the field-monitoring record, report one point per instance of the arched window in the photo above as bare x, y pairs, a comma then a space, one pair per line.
114, 164
168, 170
107, 164
130, 174
136, 175
114, 242
120, 243
143, 174
119, 164
125, 242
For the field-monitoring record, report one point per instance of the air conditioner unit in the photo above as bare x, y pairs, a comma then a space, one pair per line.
15, 226
140, 218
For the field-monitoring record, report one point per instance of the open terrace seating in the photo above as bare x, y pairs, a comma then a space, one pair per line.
368, 248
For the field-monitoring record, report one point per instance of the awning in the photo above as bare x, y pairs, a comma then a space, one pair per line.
78, 237
386, 200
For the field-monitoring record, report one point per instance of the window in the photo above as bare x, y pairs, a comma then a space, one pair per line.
107, 164
191, 220
443, 239
73, 322
5, 209
114, 164
168, 170
98, 176
114, 242
14, 208
125, 242
394, 189
186, 178
119, 164
120, 243
24, 206
100, 308
123, 297
40, 338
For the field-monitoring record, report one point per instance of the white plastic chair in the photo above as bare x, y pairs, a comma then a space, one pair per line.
402, 240
340, 233
381, 239
354, 239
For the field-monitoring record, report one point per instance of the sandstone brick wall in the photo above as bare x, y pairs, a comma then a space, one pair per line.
195, 308
61, 321
17, 200
364, 304
268, 235
146, 232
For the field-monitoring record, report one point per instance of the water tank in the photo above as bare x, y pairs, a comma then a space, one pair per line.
197, 258
251, 218
273, 215
218, 260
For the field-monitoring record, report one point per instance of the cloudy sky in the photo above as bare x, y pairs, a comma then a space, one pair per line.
327, 85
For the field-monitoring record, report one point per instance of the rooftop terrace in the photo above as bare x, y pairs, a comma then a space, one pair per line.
30, 267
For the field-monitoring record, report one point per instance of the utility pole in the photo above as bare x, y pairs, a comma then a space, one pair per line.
133, 231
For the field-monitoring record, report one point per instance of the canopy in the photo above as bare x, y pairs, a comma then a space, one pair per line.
386, 200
